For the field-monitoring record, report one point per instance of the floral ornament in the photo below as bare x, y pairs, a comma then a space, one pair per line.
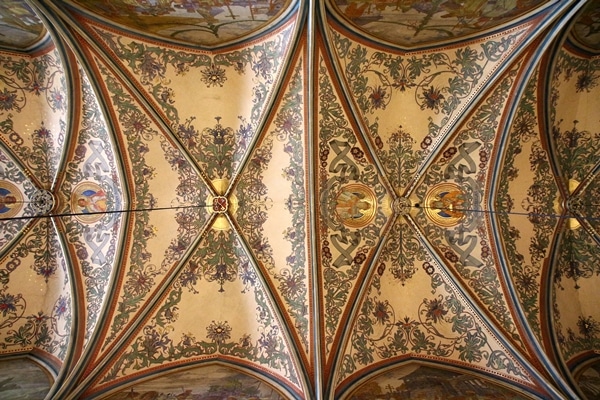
403, 272
151, 69
213, 76
57, 100
587, 80
9, 304
588, 327
381, 312
426, 142
432, 99
139, 282
379, 98
435, 309
155, 343
288, 122
218, 332
221, 273
8, 100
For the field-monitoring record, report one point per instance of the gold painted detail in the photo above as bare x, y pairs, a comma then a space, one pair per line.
573, 223
88, 201
356, 205
444, 204
221, 205
11, 200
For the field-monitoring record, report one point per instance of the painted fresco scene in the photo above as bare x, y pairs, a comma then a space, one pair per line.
20, 27
191, 21
208, 383
418, 382
410, 22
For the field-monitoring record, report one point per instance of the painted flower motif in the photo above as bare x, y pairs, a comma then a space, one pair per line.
247, 276
381, 269
360, 258
429, 269
288, 121
81, 253
378, 97
586, 81
135, 122
181, 68
190, 276
46, 271
527, 282
588, 327
61, 307
150, 68
450, 256
218, 332
433, 97
246, 340
291, 285
80, 151
57, 99
8, 304
8, 99
42, 133
167, 95
213, 76
218, 134
426, 142
435, 310
381, 313
139, 283
263, 66
357, 153
154, 342
378, 142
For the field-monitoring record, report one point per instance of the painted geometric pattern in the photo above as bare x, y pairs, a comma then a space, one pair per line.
192, 21
238, 321
417, 22
354, 207
466, 248
271, 192
421, 94
33, 105
432, 320
162, 181
526, 205
166, 75
92, 184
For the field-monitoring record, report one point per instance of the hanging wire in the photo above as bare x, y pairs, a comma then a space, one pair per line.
135, 210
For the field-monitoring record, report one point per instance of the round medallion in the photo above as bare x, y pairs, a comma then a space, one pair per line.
444, 204
11, 200
356, 205
42, 202
88, 201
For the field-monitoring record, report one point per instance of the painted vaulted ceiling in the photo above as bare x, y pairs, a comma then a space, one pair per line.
294, 199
